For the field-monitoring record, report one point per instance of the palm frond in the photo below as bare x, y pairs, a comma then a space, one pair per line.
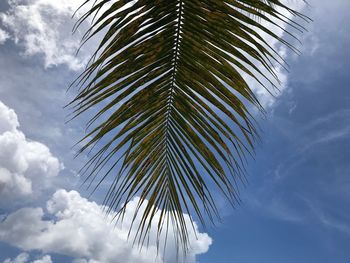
173, 116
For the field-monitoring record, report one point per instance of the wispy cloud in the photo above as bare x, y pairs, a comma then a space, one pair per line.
327, 129
326, 220
275, 208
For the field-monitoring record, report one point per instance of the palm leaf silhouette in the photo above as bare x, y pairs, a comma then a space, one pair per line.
173, 120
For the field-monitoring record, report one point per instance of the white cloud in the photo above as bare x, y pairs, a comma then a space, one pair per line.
21, 258
8, 119
78, 228
82, 260
264, 96
3, 36
26, 167
44, 27
44, 259
24, 257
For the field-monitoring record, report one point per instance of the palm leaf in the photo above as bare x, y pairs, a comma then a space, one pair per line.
172, 107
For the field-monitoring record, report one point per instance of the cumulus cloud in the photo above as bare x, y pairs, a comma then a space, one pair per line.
24, 257
44, 259
76, 227
3, 36
8, 119
44, 27
21, 258
26, 167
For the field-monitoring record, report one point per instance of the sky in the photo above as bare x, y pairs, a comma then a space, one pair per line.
295, 209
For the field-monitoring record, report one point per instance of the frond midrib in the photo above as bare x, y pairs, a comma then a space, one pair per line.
172, 87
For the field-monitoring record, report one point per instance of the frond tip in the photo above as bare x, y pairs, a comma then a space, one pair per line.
173, 120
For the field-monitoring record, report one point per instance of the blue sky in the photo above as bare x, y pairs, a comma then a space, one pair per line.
296, 207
